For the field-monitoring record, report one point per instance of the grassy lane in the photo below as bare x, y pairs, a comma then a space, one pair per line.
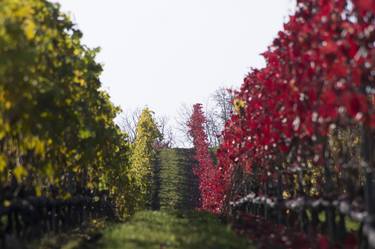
174, 227
162, 230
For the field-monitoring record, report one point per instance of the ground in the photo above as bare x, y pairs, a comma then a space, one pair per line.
176, 224
153, 230
162, 230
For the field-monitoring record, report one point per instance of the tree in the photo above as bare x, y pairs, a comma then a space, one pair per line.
209, 176
223, 101
56, 124
129, 120
318, 81
218, 110
183, 115
141, 161
166, 138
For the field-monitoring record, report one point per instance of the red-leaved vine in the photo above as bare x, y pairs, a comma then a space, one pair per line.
211, 189
319, 76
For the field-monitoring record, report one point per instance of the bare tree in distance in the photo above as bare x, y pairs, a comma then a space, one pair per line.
183, 116
128, 123
223, 99
167, 138
217, 109
212, 127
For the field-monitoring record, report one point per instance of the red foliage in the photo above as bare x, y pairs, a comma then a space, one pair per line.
211, 189
319, 73
268, 235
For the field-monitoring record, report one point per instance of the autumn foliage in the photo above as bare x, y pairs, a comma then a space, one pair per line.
57, 134
58, 138
319, 76
209, 176
142, 157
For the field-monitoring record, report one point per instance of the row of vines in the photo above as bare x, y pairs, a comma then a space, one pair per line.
58, 139
302, 133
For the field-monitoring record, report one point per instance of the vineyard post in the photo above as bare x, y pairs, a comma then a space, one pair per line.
329, 188
2, 232
342, 228
280, 209
301, 193
266, 187
367, 151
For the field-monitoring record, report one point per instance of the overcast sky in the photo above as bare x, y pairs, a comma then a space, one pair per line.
161, 53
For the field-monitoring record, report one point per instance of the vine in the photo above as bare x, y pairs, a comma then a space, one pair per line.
209, 176
57, 135
318, 78
141, 162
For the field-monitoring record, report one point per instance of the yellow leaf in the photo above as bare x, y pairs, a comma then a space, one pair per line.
75, 169
286, 195
239, 105
7, 203
29, 29
4, 129
19, 172
77, 52
8, 105
49, 171
84, 134
23, 11
3, 163
39, 147
2, 133
38, 191
67, 196
78, 78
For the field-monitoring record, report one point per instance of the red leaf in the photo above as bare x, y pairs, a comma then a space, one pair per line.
355, 104
365, 5
323, 242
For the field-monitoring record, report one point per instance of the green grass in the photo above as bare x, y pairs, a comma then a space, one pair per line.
175, 192
71, 239
170, 230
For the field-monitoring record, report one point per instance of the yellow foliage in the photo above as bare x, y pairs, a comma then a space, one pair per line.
38, 190
3, 163
19, 172
50, 92
7, 203
286, 195
143, 153
29, 29
239, 104
7, 105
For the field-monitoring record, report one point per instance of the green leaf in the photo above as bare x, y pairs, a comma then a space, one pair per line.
84, 134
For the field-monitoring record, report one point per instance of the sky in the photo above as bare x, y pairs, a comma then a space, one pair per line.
162, 53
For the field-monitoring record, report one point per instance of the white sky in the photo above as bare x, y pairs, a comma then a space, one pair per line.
161, 53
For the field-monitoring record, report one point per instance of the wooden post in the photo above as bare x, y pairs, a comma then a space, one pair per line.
368, 156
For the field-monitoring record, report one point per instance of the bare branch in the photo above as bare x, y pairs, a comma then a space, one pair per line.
128, 122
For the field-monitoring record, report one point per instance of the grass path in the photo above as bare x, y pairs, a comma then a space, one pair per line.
176, 188
162, 230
